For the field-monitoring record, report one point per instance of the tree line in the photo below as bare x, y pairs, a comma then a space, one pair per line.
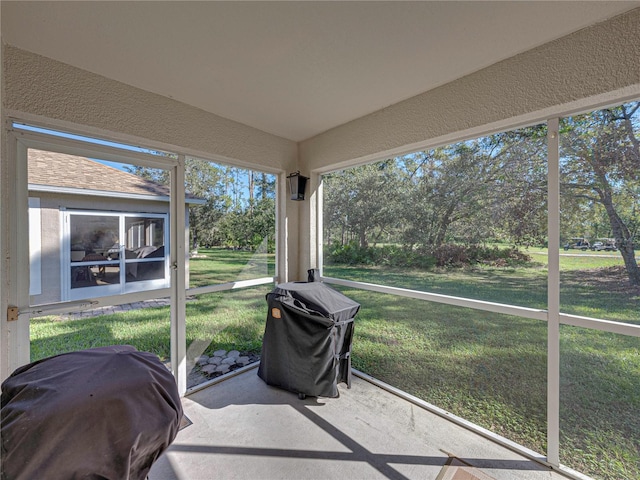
426, 204
494, 190
239, 204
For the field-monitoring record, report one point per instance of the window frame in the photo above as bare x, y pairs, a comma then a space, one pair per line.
123, 286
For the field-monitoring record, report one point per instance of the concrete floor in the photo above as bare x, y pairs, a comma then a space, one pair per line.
245, 429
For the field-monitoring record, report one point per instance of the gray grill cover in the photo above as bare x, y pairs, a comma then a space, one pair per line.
103, 413
307, 339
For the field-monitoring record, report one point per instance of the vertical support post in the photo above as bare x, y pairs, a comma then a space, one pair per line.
282, 231
317, 180
310, 246
553, 293
178, 258
14, 346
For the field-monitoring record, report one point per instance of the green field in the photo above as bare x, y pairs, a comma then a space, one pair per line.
485, 367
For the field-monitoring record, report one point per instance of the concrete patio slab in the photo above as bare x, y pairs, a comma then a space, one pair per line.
244, 429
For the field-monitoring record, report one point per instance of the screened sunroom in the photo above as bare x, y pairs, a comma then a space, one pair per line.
456, 152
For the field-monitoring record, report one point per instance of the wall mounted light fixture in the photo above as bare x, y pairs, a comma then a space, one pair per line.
297, 184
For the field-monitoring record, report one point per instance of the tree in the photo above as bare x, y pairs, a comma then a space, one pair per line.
470, 191
235, 214
363, 201
519, 212
475, 190
600, 164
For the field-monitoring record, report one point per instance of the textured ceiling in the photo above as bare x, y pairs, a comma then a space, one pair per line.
294, 69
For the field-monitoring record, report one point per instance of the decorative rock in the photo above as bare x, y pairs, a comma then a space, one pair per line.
242, 361
215, 360
209, 369
219, 364
203, 360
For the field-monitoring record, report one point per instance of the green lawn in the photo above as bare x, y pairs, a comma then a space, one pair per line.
487, 368
220, 265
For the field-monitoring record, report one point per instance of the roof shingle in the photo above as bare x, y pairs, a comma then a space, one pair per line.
71, 171
52, 169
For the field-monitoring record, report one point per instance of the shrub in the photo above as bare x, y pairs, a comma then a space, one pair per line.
447, 255
451, 255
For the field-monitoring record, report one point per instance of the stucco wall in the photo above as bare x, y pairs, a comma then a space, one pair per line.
594, 65
40, 86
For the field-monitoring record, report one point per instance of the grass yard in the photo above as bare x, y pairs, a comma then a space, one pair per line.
219, 265
487, 368
226, 320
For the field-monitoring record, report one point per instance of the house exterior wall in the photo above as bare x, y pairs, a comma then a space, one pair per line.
51, 236
50, 252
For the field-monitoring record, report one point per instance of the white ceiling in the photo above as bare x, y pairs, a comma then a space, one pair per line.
294, 69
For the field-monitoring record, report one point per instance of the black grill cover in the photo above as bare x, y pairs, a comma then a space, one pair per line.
307, 339
103, 413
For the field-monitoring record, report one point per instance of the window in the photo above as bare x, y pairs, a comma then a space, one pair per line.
100, 263
97, 227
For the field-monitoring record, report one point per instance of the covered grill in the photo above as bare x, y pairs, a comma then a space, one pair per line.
307, 340
100, 413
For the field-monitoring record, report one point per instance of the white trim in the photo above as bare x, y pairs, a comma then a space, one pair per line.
134, 141
35, 247
282, 230
319, 181
68, 307
109, 194
21, 211
553, 292
15, 346
70, 146
610, 326
124, 286
178, 259
221, 287
65, 256
524, 312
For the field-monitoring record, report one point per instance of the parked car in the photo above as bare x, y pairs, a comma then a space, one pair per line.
578, 243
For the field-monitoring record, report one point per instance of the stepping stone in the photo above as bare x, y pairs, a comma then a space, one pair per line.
228, 361
233, 354
202, 360
222, 368
242, 361
219, 353
215, 360
209, 369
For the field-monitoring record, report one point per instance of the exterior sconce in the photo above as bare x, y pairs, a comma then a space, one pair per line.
297, 184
